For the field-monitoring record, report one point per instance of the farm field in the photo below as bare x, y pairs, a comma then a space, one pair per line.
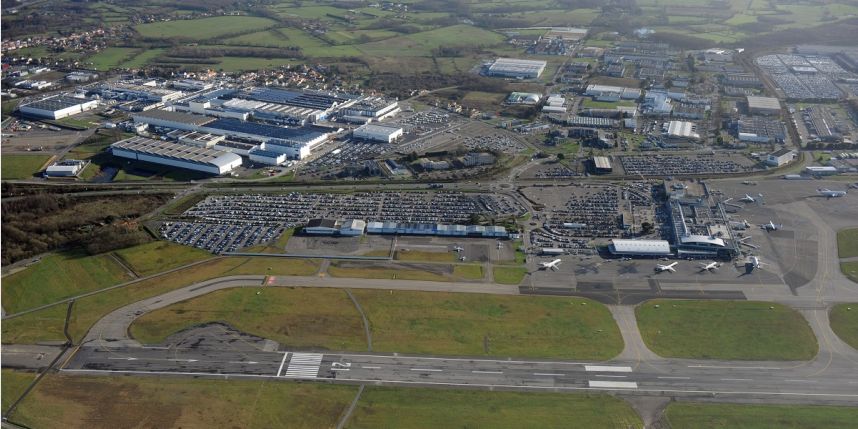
202, 29
112, 57
723, 330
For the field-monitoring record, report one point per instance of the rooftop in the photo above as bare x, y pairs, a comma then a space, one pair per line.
763, 103
166, 115
302, 134
56, 103
182, 152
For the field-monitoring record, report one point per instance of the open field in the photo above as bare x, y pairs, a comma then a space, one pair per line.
159, 256
844, 322
683, 415
112, 57
468, 271
382, 407
302, 318
46, 324
202, 29
471, 324
62, 401
509, 275
850, 270
13, 384
385, 273
21, 166
142, 58
50, 279
847, 243
422, 44
725, 330
421, 256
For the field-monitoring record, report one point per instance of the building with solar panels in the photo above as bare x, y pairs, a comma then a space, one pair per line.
303, 137
323, 101
176, 155
57, 107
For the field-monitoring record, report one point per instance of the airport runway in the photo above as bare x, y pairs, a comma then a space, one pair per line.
818, 382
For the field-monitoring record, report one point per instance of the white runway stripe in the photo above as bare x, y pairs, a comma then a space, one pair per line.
304, 365
614, 384
600, 368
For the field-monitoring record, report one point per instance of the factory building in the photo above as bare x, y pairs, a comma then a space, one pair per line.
763, 105
601, 165
267, 157
353, 227
290, 149
176, 155
760, 130
683, 131
369, 109
612, 93
66, 168
380, 133
322, 227
57, 107
639, 247
147, 91
169, 119
324, 102
814, 170
309, 136
516, 68
779, 158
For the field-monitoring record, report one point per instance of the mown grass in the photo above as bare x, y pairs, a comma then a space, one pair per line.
21, 166
112, 57
850, 270
159, 256
371, 272
684, 415
847, 243
732, 330
302, 318
844, 322
468, 271
73, 401
13, 383
509, 275
406, 408
58, 276
202, 29
495, 325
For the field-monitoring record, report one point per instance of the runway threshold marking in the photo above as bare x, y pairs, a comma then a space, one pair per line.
304, 365
602, 368
614, 376
279, 370
613, 384
370, 367
426, 369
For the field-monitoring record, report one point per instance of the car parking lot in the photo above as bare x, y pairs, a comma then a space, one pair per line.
667, 165
219, 237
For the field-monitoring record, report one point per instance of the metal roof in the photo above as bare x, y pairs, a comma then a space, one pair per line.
169, 150
56, 103
702, 239
659, 247
166, 115
763, 103
303, 134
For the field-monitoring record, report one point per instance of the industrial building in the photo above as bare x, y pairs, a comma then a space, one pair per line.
516, 68
682, 131
369, 109
779, 158
147, 91
176, 155
267, 157
57, 107
196, 139
700, 229
639, 247
318, 100
601, 165
380, 133
612, 93
66, 168
229, 127
760, 130
170, 119
763, 105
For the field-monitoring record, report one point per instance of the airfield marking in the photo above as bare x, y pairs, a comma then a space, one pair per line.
548, 374
487, 372
613, 384
304, 365
279, 370
601, 368
426, 369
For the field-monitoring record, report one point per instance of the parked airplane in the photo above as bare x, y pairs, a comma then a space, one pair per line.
771, 226
831, 194
709, 267
659, 268
748, 199
755, 262
458, 249
550, 265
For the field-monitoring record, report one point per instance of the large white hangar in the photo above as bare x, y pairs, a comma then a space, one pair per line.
381, 133
639, 247
176, 155
516, 68
57, 107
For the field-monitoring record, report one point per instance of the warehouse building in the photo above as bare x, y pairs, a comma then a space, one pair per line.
176, 155
194, 138
267, 157
323, 101
682, 131
369, 109
516, 68
322, 227
353, 227
760, 130
147, 91
379, 133
639, 247
169, 119
57, 107
66, 168
291, 149
309, 136
779, 158
763, 105
601, 165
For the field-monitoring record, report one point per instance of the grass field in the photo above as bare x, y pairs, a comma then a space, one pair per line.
733, 330
422, 44
159, 256
302, 318
40, 326
47, 281
472, 324
13, 383
468, 271
847, 243
202, 29
421, 256
112, 57
63, 402
405, 408
850, 270
683, 415
21, 166
509, 275
385, 273
592, 104
142, 58
844, 322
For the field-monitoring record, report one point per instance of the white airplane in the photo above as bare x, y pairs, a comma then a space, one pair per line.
550, 265
831, 194
709, 267
748, 199
458, 249
659, 268
771, 226
755, 262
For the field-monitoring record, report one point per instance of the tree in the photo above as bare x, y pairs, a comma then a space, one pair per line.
561, 156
